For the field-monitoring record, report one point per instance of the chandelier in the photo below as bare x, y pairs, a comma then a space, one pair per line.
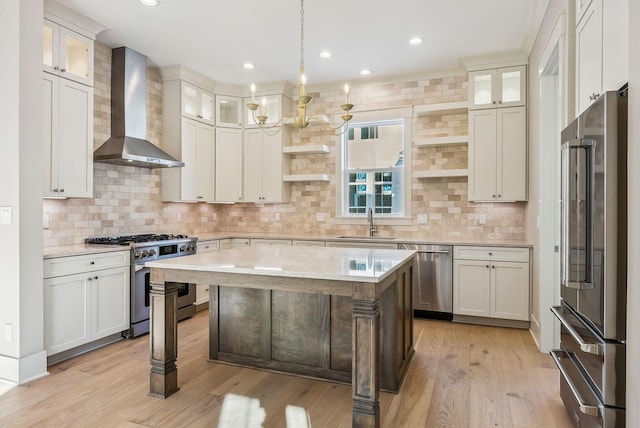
301, 120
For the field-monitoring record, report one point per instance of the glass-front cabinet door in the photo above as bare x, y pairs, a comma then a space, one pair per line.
269, 105
228, 111
502, 87
197, 103
67, 53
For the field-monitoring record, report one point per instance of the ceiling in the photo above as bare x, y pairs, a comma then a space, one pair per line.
215, 38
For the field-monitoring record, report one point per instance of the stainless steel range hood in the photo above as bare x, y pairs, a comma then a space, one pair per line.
128, 144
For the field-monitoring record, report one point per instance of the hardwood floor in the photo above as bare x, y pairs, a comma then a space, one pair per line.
461, 376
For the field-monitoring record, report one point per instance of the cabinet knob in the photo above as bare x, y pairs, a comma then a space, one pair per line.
89, 279
491, 254
92, 262
493, 267
95, 277
56, 68
487, 266
499, 195
493, 102
499, 101
199, 197
61, 190
493, 196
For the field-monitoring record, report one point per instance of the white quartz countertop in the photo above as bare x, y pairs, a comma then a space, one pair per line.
81, 249
342, 264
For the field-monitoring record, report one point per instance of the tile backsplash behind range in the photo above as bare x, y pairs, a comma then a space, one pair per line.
127, 199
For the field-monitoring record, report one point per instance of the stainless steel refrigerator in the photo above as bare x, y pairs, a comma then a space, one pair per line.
592, 314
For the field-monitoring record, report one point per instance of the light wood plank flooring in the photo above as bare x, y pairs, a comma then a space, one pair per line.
461, 376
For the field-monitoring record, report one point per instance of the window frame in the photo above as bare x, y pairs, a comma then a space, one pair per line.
402, 116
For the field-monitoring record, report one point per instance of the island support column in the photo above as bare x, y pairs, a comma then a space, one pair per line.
163, 336
366, 356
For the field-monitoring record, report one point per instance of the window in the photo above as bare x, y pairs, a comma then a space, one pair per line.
373, 169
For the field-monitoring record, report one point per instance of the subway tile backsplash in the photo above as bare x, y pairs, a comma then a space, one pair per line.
127, 199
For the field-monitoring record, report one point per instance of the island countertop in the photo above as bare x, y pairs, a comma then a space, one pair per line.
323, 263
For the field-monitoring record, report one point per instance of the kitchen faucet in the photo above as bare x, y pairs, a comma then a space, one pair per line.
372, 228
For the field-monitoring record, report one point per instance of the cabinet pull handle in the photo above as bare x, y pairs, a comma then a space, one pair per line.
89, 279
63, 70
62, 190
56, 68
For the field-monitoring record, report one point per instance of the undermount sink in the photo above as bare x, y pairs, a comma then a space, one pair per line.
364, 238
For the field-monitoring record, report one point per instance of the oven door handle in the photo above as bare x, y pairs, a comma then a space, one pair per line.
584, 407
591, 348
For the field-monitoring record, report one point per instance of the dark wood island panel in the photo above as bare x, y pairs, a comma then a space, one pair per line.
308, 333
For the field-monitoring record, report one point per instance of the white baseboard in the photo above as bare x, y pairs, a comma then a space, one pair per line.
23, 370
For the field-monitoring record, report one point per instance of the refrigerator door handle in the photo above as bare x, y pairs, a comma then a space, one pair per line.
584, 407
567, 192
591, 348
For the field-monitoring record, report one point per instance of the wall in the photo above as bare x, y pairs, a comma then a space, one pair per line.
127, 199
21, 307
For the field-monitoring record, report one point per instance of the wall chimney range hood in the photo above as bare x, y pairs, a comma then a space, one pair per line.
128, 144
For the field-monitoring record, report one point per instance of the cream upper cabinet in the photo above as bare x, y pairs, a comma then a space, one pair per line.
67, 138
499, 87
275, 107
197, 103
589, 56
229, 111
67, 53
602, 40
195, 181
498, 155
189, 138
228, 165
265, 166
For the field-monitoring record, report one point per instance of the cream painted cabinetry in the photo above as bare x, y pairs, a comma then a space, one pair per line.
229, 111
196, 102
67, 138
270, 243
188, 134
498, 87
265, 166
602, 41
240, 242
498, 154
274, 106
202, 290
226, 244
491, 282
67, 53
228, 165
86, 298
196, 147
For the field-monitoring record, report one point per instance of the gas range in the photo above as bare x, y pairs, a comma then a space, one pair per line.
144, 248
147, 247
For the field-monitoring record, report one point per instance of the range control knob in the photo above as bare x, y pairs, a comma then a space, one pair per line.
136, 254
183, 248
145, 253
152, 252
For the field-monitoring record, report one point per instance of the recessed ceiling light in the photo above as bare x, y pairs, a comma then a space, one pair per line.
365, 72
248, 66
149, 2
415, 41
325, 54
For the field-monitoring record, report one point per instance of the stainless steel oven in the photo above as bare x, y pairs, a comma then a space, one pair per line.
592, 314
146, 248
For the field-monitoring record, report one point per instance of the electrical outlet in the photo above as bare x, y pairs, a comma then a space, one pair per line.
5, 215
482, 219
8, 333
320, 217
45, 221
277, 216
422, 218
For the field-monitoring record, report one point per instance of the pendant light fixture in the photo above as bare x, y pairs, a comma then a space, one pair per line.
301, 120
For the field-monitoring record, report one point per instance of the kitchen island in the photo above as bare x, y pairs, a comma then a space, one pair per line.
342, 314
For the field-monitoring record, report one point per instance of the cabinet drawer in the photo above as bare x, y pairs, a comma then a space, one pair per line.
60, 266
270, 242
208, 246
308, 243
508, 254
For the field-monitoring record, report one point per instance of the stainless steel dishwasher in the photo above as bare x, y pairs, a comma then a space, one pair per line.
433, 280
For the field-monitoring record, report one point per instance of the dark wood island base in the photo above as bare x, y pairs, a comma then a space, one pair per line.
339, 330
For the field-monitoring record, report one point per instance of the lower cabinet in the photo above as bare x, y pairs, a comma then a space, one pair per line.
270, 243
85, 305
202, 290
491, 282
